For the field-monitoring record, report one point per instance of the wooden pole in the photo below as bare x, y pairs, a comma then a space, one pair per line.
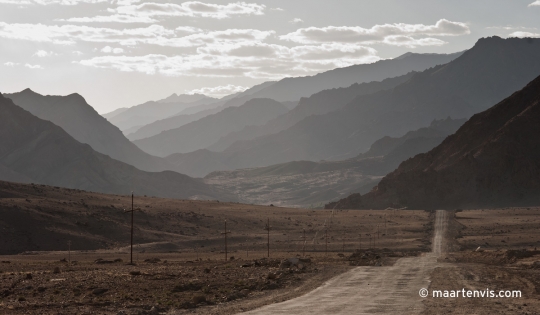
132, 211
267, 228
304, 246
69, 252
326, 239
225, 233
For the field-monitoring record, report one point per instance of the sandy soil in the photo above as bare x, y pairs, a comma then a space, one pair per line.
191, 275
370, 290
505, 261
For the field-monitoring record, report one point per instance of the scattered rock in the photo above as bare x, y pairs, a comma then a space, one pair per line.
152, 260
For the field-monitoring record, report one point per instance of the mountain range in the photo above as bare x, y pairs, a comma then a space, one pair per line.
130, 119
493, 160
292, 89
38, 151
308, 184
487, 73
207, 130
85, 125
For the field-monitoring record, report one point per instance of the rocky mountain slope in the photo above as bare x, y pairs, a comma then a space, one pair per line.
312, 184
83, 123
44, 153
493, 160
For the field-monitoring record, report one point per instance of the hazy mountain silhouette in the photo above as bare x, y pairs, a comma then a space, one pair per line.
290, 89
185, 117
484, 75
306, 183
317, 104
183, 98
492, 161
149, 112
206, 131
83, 123
43, 152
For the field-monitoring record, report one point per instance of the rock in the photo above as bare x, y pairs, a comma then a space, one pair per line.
135, 273
41, 289
271, 276
152, 260
29, 276
206, 270
117, 260
99, 291
56, 270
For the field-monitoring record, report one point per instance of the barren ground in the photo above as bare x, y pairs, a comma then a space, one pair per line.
191, 275
508, 239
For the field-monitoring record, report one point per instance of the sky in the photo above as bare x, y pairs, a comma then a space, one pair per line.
120, 53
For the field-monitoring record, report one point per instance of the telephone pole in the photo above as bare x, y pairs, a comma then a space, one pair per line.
304, 245
326, 240
267, 228
225, 233
132, 211
69, 252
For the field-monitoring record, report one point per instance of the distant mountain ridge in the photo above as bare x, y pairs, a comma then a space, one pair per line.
487, 73
290, 89
44, 153
493, 160
206, 131
307, 184
149, 112
83, 123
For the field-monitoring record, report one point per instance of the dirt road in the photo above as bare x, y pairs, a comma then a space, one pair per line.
370, 290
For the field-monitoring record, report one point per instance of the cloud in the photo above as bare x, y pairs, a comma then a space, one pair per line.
219, 91
43, 53
115, 18
536, 3
296, 21
49, 2
524, 34
77, 52
148, 12
191, 9
386, 33
151, 35
33, 66
11, 64
255, 60
109, 49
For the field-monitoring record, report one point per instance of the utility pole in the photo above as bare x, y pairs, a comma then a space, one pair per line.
225, 233
132, 211
326, 240
360, 241
343, 244
69, 252
385, 229
304, 245
267, 228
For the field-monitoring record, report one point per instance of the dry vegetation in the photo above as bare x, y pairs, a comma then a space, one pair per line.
190, 273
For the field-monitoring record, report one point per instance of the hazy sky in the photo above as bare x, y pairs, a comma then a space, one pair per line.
119, 53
